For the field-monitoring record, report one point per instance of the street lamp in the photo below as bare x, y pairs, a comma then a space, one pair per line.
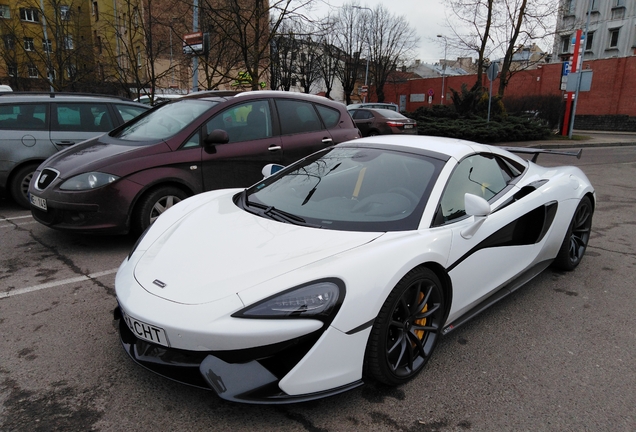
441, 101
366, 75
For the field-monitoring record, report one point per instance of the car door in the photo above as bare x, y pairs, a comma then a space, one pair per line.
73, 122
489, 254
301, 129
252, 145
364, 120
24, 134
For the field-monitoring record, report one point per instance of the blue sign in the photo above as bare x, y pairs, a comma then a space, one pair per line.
565, 69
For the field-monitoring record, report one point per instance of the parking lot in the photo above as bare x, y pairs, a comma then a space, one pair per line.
558, 355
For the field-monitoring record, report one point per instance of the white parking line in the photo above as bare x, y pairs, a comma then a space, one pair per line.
56, 283
17, 217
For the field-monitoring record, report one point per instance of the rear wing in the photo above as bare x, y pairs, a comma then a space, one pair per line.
536, 152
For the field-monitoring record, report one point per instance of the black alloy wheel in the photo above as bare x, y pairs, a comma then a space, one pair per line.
407, 328
577, 237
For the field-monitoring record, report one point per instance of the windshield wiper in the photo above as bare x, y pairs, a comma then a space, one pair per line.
276, 214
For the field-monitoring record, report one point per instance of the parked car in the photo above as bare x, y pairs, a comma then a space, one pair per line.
348, 266
5, 88
380, 105
125, 179
34, 126
159, 98
373, 121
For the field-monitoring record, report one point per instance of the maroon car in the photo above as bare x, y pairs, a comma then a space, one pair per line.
125, 179
377, 121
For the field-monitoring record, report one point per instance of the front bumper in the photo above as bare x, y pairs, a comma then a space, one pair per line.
246, 376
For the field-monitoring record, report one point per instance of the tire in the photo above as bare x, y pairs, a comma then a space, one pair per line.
19, 187
153, 204
407, 329
576, 238
373, 133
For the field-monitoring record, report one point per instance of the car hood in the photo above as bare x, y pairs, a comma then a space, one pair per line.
218, 250
97, 153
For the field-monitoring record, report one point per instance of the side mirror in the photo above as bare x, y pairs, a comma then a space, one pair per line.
270, 169
478, 208
217, 136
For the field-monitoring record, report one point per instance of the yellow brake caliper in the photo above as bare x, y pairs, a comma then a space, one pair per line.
421, 321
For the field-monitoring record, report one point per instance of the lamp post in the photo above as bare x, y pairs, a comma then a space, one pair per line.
366, 75
441, 101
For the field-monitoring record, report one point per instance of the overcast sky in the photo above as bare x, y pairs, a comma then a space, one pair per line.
427, 17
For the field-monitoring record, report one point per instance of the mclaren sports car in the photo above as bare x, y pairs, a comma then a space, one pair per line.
346, 266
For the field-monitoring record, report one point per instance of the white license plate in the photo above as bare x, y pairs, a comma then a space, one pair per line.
408, 126
38, 202
146, 331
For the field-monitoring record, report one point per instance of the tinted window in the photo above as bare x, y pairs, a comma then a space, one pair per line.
23, 116
330, 116
479, 175
362, 115
297, 117
244, 122
82, 117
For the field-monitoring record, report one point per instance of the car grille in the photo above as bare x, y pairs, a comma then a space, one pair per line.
46, 178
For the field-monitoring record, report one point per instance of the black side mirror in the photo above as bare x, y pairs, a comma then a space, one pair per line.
217, 136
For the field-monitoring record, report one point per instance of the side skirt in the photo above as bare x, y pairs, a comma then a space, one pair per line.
502, 292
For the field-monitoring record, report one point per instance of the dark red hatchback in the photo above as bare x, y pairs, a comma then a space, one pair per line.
125, 179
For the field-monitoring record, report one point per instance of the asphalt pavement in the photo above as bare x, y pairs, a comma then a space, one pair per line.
581, 139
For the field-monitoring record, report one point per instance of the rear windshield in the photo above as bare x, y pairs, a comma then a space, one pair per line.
165, 120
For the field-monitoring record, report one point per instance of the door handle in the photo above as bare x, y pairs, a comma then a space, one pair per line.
327, 140
64, 143
274, 147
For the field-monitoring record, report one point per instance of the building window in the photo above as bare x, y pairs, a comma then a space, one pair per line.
68, 42
569, 7
595, 5
124, 24
51, 76
46, 45
12, 70
32, 71
30, 15
613, 41
5, 12
589, 41
9, 42
136, 17
138, 57
65, 13
565, 44
95, 11
28, 44
619, 3
98, 42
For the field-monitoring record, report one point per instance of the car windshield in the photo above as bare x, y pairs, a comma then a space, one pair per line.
165, 120
350, 188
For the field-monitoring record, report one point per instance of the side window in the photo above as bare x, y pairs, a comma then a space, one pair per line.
479, 175
129, 112
23, 116
330, 116
244, 122
297, 116
83, 117
193, 141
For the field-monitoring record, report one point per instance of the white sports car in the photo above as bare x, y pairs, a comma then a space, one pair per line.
347, 265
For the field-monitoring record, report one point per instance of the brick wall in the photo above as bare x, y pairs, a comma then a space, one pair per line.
609, 105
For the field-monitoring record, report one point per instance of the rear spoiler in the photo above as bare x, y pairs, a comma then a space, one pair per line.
536, 152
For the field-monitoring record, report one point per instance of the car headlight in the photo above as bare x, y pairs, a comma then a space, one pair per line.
88, 181
319, 299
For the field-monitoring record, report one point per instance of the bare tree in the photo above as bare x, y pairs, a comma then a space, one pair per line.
251, 26
391, 41
350, 40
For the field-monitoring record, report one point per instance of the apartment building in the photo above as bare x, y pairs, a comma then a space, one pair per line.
611, 32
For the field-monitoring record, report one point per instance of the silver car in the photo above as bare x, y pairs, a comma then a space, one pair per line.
34, 126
